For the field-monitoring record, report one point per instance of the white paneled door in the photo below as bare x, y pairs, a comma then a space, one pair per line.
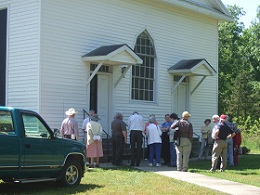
103, 101
181, 99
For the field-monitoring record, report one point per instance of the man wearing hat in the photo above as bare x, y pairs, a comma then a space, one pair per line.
183, 148
222, 133
69, 126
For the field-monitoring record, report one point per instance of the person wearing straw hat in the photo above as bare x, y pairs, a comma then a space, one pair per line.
94, 140
69, 126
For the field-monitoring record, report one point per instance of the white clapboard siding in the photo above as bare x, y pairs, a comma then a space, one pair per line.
83, 27
23, 53
47, 39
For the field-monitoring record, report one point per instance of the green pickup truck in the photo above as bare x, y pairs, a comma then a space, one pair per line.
31, 152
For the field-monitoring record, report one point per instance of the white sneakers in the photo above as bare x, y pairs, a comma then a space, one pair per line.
157, 164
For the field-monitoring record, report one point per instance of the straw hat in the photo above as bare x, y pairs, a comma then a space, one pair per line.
70, 112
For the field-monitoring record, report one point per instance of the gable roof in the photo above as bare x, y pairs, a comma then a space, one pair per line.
192, 67
113, 55
212, 8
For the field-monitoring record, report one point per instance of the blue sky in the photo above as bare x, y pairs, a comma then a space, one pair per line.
249, 7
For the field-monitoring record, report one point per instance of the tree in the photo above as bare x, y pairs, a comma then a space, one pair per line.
239, 67
229, 63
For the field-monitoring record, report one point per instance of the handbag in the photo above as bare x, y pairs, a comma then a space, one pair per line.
176, 135
238, 150
209, 140
97, 137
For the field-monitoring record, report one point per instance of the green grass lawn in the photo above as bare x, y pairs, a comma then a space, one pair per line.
133, 182
123, 181
247, 171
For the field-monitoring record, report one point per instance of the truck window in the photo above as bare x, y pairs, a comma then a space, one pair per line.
34, 127
6, 123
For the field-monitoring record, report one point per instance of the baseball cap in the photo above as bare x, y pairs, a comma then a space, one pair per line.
223, 116
186, 114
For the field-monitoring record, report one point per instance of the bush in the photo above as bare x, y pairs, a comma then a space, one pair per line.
248, 126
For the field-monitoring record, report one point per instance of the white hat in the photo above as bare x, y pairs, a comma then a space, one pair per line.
70, 112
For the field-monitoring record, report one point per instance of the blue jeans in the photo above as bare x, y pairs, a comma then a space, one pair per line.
204, 148
155, 149
173, 154
230, 149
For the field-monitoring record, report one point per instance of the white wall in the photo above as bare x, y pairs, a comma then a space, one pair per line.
23, 53
70, 29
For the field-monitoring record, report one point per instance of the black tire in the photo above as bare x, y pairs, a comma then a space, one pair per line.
71, 173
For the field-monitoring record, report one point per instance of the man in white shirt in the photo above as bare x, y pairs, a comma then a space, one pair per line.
136, 127
215, 120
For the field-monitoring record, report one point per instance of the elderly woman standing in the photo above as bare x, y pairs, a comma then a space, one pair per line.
153, 133
94, 140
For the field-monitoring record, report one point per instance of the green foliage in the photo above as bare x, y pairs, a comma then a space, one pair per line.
250, 132
249, 126
239, 66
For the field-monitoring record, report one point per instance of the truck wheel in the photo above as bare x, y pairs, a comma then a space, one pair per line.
71, 173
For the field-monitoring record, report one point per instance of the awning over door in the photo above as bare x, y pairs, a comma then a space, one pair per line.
112, 55
192, 67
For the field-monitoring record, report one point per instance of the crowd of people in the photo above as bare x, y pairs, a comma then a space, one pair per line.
171, 141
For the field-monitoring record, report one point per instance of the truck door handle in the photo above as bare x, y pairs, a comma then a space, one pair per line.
28, 145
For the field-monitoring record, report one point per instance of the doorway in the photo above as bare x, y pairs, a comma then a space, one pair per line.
181, 99
100, 99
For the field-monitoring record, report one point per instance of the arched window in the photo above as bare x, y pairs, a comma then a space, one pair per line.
143, 77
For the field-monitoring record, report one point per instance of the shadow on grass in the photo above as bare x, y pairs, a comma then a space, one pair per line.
44, 188
120, 168
53, 188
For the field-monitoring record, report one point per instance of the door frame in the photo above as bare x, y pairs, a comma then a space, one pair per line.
176, 96
110, 100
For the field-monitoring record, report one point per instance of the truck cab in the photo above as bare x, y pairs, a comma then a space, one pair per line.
30, 151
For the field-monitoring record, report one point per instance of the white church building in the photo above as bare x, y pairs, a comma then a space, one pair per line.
150, 56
